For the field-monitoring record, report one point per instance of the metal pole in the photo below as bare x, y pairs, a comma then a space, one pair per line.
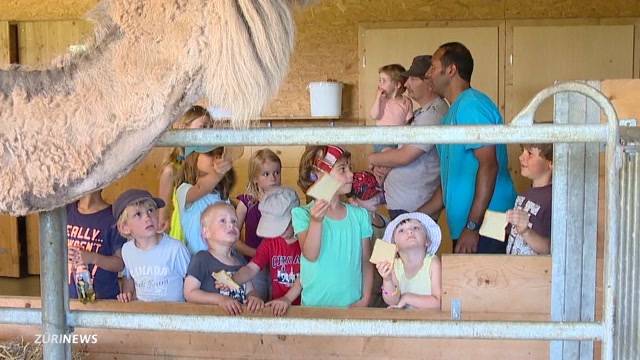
53, 283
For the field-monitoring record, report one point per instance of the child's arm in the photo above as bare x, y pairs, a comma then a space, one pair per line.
310, 239
193, 294
433, 206
376, 108
246, 273
367, 275
390, 291
128, 292
111, 263
396, 157
165, 189
520, 219
279, 306
426, 301
207, 183
241, 246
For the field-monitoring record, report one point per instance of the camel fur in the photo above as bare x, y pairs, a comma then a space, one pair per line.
87, 120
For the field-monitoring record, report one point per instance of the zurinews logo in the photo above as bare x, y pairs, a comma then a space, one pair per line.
66, 339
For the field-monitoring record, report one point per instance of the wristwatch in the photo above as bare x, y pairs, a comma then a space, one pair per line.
472, 225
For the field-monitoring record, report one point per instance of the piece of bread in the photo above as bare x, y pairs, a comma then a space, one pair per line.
325, 188
383, 251
493, 225
224, 278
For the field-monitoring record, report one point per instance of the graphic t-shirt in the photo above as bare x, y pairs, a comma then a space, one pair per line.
158, 272
203, 265
94, 233
537, 203
283, 261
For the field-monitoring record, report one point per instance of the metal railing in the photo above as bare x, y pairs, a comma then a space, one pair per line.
57, 319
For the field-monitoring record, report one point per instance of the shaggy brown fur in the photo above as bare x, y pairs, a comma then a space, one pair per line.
82, 124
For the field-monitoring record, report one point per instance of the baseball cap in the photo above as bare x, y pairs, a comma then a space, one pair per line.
275, 209
331, 156
365, 186
433, 230
133, 196
199, 149
419, 66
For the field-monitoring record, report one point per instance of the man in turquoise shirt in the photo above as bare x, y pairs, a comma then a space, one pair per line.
475, 177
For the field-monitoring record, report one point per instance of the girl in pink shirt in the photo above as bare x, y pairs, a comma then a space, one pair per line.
390, 107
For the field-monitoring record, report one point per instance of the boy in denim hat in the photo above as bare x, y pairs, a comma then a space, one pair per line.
279, 250
155, 263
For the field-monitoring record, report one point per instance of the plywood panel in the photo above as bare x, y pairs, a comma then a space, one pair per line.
400, 45
555, 52
9, 247
41, 42
5, 54
497, 283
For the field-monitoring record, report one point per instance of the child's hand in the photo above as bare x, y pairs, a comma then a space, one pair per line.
222, 166
220, 286
379, 92
279, 306
400, 305
254, 303
384, 269
520, 219
125, 297
80, 256
231, 306
319, 210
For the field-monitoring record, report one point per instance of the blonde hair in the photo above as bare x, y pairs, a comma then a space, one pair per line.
204, 217
255, 166
307, 171
189, 173
195, 112
395, 72
146, 204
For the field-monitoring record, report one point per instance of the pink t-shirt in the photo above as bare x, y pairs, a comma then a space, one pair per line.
284, 264
396, 111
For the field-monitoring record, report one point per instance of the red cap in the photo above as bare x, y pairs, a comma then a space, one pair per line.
332, 155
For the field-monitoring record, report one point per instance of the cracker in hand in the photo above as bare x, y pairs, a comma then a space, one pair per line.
493, 225
383, 251
325, 188
224, 278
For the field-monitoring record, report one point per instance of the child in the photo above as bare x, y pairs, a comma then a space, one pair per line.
205, 179
264, 174
529, 232
195, 118
413, 280
220, 229
279, 251
333, 236
390, 108
155, 263
94, 241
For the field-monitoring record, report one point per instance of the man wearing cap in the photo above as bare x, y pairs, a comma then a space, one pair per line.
475, 177
414, 177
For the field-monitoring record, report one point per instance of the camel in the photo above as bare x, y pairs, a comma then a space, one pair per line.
86, 121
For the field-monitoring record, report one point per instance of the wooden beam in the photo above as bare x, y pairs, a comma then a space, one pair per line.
37, 10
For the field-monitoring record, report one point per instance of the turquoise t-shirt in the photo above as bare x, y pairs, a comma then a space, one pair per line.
190, 217
459, 166
335, 278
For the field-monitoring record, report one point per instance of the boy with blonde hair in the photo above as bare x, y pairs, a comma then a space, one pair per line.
530, 220
155, 263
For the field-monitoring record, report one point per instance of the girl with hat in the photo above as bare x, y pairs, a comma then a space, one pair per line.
414, 278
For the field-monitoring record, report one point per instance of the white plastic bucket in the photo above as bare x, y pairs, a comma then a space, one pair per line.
326, 98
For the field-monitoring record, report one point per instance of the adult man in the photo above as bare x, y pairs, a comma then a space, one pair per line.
475, 177
415, 172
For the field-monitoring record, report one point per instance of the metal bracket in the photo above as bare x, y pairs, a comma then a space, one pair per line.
456, 309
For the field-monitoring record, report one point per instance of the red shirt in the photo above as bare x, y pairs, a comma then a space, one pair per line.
284, 264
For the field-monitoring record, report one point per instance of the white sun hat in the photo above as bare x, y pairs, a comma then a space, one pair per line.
433, 230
